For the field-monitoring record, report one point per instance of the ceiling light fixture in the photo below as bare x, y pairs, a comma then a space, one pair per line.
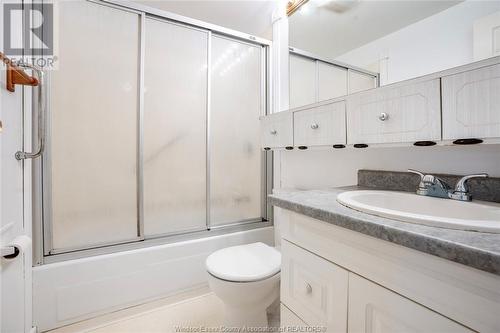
294, 5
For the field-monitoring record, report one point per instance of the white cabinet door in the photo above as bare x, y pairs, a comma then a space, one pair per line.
302, 81
374, 309
401, 113
471, 104
313, 288
320, 125
277, 130
360, 82
332, 81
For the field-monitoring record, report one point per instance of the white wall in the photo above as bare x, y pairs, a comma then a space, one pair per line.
70, 291
322, 168
439, 42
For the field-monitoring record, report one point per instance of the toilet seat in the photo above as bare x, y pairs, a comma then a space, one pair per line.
244, 263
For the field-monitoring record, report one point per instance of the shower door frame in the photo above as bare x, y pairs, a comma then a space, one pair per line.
42, 203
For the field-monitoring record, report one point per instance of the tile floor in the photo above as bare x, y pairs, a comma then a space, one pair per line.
195, 309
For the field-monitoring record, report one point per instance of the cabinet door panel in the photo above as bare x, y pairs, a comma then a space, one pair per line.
375, 309
313, 288
321, 125
277, 130
412, 114
471, 104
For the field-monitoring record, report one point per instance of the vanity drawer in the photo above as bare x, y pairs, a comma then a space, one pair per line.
277, 130
313, 288
395, 114
320, 125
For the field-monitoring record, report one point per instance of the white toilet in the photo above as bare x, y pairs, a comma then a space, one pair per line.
246, 278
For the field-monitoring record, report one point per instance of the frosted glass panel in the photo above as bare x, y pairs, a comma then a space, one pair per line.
174, 128
235, 157
94, 98
360, 82
302, 81
332, 81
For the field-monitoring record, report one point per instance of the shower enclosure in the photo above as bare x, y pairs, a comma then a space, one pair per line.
152, 131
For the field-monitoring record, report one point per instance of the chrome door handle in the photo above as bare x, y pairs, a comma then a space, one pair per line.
314, 126
21, 155
274, 132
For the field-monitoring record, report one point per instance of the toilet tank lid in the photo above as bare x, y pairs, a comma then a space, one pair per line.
244, 263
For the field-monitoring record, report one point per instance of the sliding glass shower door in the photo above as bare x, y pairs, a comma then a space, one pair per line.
153, 130
236, 100
175, 121
91, 176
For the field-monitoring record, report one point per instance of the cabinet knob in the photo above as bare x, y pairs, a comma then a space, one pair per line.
383, 116
309, 288
314, 126
274, 132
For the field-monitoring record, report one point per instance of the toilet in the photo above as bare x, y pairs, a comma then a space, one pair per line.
246, 278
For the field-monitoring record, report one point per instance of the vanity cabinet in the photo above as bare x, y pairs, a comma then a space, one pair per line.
471, 104
320, 125
277, 130
351, 282
375, 309
313, 288
394, 114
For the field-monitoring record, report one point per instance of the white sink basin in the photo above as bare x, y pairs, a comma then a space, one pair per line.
408, 207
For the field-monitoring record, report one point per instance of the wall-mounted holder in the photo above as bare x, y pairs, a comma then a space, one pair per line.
15, 75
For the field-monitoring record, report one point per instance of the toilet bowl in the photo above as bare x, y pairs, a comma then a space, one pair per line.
246, 278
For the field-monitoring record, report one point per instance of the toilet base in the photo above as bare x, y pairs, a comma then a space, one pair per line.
246, 303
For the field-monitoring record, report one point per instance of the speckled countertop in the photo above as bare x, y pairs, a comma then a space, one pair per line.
474, 249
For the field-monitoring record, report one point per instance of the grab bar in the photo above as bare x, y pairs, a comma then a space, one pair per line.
21, 155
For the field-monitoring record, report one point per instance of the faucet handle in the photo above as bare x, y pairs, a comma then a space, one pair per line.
424, 179
417, 173
462, 183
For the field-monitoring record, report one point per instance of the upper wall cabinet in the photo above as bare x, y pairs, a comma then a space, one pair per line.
394, 114
277, 130
471, 104
320, 125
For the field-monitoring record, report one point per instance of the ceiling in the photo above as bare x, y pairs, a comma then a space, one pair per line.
248, 16
331, 28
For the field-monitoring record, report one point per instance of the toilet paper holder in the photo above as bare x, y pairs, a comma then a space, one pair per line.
9, 252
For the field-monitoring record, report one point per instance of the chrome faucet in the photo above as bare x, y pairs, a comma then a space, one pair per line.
435, 187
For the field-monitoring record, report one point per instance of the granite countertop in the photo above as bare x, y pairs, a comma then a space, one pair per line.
475, 249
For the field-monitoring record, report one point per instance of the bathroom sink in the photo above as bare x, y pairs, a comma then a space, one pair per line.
408, 207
